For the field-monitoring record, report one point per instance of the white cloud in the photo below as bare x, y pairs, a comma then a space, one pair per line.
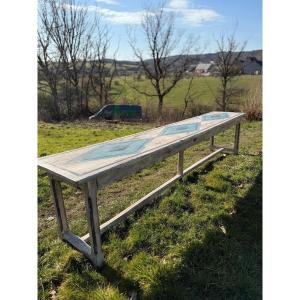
195, 17
188, 16
117, 17
110, 2
192, 16
178, 4
122, 17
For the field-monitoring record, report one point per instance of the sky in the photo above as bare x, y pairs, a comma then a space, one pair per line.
206, 19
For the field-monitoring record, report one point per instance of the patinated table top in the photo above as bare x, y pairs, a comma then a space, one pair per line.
79, 165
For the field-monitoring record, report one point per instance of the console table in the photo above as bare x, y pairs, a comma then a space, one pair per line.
93, 167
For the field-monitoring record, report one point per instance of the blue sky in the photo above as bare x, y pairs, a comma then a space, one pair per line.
204, 18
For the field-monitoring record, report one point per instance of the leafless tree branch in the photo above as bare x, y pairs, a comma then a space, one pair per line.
169, 60
228, 67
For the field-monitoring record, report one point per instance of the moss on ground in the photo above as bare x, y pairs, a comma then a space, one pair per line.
201, 240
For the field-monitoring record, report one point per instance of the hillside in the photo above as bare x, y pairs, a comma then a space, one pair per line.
126, 67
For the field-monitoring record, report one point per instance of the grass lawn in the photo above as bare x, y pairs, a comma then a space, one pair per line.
201, 240
205, 88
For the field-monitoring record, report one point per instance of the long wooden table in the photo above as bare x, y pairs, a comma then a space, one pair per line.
93, 167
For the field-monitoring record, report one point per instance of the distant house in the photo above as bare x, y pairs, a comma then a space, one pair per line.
249, 65
204, 69
252, 66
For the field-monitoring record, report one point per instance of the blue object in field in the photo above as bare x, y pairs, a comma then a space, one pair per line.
176, 129
113, 149
214, 116
126, 112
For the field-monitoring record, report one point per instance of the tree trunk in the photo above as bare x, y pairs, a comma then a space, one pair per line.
87, 94
160, 106
86, 103
56, 105
101, 96
79, 103
224, 100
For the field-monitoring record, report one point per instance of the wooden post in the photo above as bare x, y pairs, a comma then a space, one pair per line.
60, 211
90, 195
212, 141
180, 163
237, 139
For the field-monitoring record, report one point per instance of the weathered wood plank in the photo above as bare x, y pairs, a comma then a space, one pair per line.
225, 150
108, 170
212, 141
146, 200
202, 161
77, 243
237, 139
147, 160
60, 210
149, 198
90, 195
180, 163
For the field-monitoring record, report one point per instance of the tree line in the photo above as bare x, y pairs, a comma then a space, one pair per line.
72, 51
74, 44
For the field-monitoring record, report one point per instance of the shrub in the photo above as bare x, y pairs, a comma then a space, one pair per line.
196, 109
169, 114
46, 109
253, 105
172, 114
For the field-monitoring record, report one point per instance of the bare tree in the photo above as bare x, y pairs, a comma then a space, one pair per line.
167, 50
103, 71
228, 67
86, 78
189, 95
73, 46
71, 31
49, 61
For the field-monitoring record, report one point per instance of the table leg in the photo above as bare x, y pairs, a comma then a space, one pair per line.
90, 195
180, 163
237, 138
59, 206
212, 142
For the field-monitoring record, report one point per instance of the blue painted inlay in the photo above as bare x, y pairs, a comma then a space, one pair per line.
113, 149
215, 116
176, 129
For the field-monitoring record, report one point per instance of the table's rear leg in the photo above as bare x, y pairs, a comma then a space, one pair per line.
235, 148
180, 163
237, 138
57, 197
212, 142
90, 195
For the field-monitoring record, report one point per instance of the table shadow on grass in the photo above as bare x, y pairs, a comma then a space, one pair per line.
221, 266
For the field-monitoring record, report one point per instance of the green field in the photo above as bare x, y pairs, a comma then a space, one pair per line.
204, 88
202, 240
204, 92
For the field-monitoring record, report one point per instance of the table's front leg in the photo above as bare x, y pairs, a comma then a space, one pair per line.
60, 211
90, 195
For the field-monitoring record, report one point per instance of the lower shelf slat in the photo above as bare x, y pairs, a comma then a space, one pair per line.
149, 198
77, 242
